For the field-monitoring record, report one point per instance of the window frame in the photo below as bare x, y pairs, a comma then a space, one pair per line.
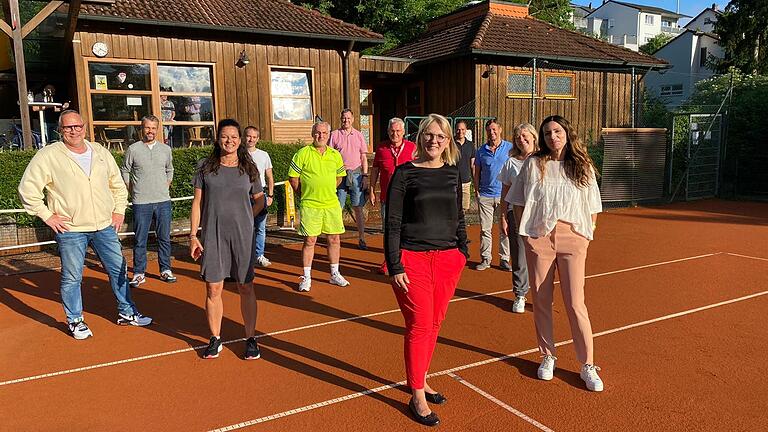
528, 74
671, 92
312, 94
543, 86
651, 18
154, 94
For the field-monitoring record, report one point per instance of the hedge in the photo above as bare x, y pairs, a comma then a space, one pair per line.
12, 165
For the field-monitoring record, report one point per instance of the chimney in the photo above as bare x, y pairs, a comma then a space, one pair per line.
714, 7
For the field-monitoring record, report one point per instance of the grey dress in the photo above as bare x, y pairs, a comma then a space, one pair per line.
227, 224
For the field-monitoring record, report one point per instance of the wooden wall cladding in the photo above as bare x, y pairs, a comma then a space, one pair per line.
240, 93
600, 100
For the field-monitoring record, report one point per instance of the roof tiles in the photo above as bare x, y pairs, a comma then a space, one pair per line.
260, 16
525, 37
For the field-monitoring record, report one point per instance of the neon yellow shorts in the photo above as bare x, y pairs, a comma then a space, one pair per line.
316, 221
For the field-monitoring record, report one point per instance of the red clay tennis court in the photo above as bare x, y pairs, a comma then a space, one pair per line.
677, 296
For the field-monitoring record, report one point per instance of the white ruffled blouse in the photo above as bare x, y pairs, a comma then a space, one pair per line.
552, 198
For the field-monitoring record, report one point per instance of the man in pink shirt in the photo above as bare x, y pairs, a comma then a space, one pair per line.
354, 151
389, 155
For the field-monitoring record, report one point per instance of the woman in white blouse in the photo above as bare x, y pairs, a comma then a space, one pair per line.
524, 145
556, 201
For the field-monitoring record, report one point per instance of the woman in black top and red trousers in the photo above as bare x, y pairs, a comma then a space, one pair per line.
425, 243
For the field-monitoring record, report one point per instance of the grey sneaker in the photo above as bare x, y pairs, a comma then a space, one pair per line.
80, 330
262, 261
136, 319
167, 276
547, 367
137, 280
304, 284
483, 265
518, 306
338, 279
505, 265
590, 377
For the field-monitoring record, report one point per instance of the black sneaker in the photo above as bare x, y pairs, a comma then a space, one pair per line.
214, 348
252, 351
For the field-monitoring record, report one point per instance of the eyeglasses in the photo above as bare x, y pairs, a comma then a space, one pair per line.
72, 128
439, 138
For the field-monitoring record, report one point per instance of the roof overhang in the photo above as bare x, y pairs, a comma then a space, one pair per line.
246, 30
572, 59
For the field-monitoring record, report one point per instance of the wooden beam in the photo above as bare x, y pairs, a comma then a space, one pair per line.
21, 76
40, 17
4, 26
69, 33
6, 29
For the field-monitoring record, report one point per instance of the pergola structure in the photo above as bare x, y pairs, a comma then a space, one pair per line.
17, 31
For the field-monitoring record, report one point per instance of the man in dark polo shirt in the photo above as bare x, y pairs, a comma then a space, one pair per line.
466, 162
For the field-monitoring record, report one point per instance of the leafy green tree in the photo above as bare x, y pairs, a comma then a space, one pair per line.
655, 43
555, 12
743, 31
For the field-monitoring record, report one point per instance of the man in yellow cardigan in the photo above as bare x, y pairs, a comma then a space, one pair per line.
85, 204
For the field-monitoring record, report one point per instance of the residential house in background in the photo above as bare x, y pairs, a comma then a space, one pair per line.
493, 60
689, 55
631, 25
579, 16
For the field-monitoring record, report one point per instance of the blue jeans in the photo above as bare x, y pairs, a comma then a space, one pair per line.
142, 220
260, 231
355, 192
72, 246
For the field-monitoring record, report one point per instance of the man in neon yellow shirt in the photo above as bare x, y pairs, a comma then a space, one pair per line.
315, 172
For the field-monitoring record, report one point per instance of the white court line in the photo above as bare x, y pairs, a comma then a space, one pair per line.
500, 403
480, 363
306, 327
746, 256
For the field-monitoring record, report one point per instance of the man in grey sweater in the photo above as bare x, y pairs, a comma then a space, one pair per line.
148, 171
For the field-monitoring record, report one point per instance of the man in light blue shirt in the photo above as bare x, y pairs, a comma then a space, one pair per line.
489, 159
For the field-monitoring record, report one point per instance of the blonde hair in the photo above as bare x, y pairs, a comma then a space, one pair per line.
451, 153
519, 129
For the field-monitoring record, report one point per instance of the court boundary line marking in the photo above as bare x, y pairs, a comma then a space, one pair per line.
309, 326
480, 363
746, 256
501, 403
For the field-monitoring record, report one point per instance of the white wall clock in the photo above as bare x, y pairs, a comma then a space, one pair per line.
100, 49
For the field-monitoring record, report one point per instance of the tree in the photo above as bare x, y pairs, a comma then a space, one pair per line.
743, 32
655, 43
555, 12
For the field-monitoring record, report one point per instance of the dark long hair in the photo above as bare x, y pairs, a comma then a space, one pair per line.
577, 163
212, 163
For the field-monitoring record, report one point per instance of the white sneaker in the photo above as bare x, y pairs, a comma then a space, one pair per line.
80, 330
262, 261
137, 280
518, 306
547, 368
590, 377
167, 276
338, 279
304, 284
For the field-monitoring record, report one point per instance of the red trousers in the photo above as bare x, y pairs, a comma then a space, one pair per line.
433, 278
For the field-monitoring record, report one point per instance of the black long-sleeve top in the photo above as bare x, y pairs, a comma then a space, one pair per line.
423, 212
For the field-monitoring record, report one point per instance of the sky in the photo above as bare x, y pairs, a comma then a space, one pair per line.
687, 7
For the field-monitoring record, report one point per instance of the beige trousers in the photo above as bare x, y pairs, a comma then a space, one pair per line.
566, 251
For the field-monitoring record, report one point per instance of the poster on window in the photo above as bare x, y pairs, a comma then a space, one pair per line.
100, 82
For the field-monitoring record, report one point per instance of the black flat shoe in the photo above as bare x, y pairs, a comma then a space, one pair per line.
428, 420
435, 398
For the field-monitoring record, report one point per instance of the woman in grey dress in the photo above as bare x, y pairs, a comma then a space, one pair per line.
228, 193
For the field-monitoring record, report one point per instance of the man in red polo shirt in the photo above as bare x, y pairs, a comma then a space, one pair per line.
389, 154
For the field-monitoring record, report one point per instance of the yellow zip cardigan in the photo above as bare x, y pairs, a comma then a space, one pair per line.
88, 201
